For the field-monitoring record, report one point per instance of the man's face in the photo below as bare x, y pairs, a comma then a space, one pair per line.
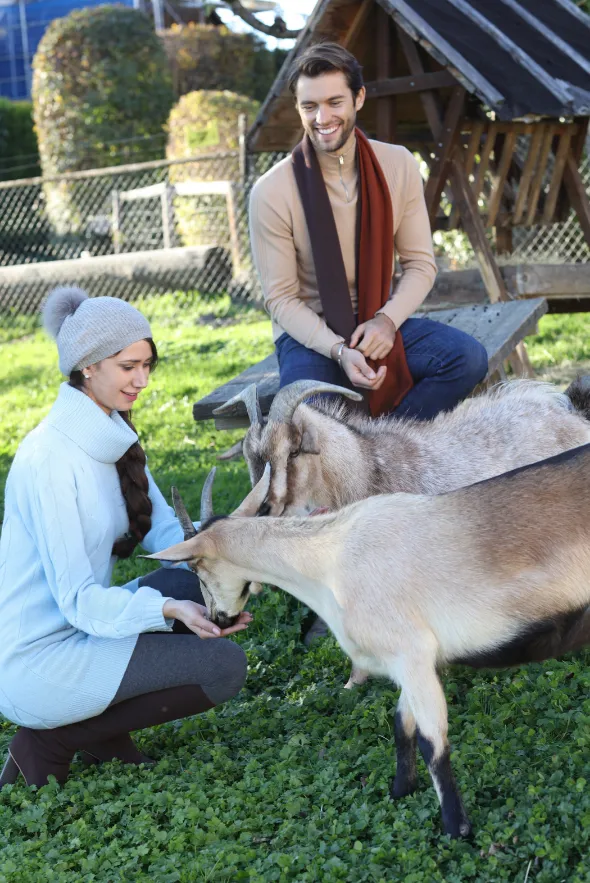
328, 109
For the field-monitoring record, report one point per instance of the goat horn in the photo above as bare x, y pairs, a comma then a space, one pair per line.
182, 515
207, 497
234, 452
288, 398
249, 396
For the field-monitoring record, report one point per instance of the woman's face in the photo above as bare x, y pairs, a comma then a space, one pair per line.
115, 383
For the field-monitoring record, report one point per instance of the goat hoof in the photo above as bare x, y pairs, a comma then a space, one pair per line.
458, 829
402, 788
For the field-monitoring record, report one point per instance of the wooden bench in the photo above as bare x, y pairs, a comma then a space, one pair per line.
499, 327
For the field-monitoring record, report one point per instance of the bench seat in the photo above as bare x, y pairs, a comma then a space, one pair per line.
499, 327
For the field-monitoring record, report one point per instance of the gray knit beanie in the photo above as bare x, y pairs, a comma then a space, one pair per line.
88, 329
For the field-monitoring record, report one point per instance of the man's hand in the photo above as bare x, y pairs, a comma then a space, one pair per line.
194, 616
358, 372
375, 338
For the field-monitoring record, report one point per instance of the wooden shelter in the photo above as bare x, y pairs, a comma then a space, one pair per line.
493, 94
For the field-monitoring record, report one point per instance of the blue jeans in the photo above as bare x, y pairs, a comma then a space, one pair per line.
445, 363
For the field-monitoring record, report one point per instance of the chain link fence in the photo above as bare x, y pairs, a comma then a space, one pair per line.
128, 231
176, 226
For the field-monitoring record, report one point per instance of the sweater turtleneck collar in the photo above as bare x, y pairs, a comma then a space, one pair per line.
104, 437
339, 161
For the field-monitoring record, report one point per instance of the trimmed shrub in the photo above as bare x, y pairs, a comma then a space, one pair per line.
214, 58
102, 92
205, 122
18, 142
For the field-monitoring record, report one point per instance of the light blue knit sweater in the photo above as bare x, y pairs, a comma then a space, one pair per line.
66, 634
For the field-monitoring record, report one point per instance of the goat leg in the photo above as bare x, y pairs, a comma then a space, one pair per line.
425, 697
405, 781
358, 676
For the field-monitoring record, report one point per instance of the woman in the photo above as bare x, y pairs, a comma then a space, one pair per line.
83, 663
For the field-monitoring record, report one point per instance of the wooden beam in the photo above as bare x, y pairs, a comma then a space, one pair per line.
386, 109
357, 23
484, 160
498, 187
444, 150
527, 174
429, 102
576, 192
405, 85
473, 147
577, 149
537, 182
561, 154
473, 225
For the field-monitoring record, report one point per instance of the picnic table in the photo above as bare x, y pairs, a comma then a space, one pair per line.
500, 327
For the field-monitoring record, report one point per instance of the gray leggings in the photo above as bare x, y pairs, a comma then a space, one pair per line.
178, 658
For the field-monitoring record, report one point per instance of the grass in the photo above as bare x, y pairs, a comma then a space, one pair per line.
289, 782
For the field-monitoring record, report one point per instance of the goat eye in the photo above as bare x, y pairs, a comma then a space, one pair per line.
294, 454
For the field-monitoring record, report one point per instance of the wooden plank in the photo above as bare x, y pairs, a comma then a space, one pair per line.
202, 188
499, 327
473, 147
404, 85
474, 228
557, 176
527, 174
419, 29
484, 160
444, 150
552, 280
152, 191
498, 187
502, 128
516, 52
167, 216
577, 195
537, 182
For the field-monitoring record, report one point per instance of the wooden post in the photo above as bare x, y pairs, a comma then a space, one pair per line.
386, 107
167, 216
243, 148
443, 151
116, 226
233, 228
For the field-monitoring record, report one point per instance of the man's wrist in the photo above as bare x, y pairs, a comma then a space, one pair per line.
389, 319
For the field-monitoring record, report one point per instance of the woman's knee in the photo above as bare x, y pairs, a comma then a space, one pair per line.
175, 582
228, 675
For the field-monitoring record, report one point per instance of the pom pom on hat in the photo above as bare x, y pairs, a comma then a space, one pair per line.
61, 303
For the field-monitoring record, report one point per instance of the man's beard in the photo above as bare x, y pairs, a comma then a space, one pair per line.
345, 135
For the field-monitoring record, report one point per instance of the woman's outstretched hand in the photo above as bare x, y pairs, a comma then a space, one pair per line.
194, 616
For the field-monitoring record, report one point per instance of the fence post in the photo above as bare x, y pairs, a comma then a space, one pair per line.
116, 224
168, 216
243, 148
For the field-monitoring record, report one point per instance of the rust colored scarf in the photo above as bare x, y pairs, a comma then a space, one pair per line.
374, 258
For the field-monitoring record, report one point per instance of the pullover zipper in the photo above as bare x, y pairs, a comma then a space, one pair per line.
342, 181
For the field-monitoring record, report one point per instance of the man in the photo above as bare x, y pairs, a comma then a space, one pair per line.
323, 225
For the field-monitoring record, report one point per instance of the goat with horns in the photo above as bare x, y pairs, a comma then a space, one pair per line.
408, 583
323, 456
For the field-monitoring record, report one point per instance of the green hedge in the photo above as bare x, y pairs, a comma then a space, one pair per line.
205, 122
102, 92
19, 153
214, 58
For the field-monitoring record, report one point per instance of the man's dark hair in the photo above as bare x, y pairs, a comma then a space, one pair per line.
322, 58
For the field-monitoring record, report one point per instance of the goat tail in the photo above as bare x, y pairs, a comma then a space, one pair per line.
578, 392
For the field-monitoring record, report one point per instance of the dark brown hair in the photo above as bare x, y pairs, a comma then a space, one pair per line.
133, 479
321, 58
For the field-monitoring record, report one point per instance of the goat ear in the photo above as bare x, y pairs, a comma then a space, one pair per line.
252, 503
309, 441
187, 551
